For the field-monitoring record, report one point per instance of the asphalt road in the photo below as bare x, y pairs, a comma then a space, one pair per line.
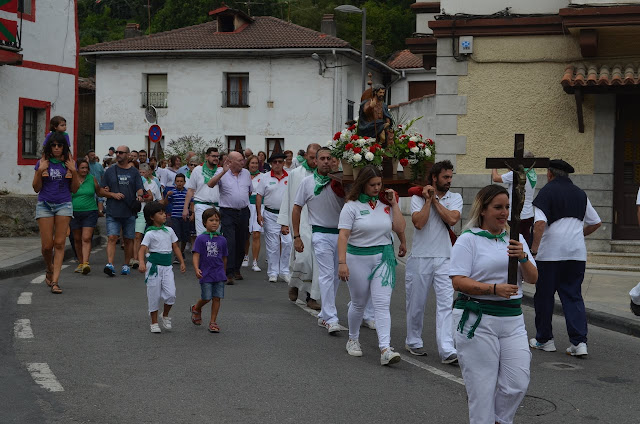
270, 364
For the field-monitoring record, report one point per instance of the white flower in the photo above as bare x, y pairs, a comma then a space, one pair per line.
369, 156
361, 142
330, 143
415, 149
413, 138
357, 157
413, 161
427, 152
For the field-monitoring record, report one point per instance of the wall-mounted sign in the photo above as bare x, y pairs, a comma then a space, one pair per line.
106, 126
155, 133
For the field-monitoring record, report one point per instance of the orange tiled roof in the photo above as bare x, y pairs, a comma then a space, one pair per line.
265, 32
581, 75
404, 59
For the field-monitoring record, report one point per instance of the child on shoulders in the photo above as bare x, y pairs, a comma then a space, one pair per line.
159, 241
210, 262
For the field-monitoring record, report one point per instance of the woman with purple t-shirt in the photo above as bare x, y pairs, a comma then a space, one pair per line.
54, 209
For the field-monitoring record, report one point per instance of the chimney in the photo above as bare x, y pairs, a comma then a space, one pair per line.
132, 30
328, 25
370, 49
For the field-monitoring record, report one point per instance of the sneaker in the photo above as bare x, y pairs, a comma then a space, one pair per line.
417, 351
108, 269
134, 264
322, 323
125, 270
389, 357
273, 279
580, 350
176, 261
86, 268
369, 323
549, 346
333, 328
293, 294
78, 268
451, 359
286, 278
166, 322
353, 348
245, 261
155, 328
255, 267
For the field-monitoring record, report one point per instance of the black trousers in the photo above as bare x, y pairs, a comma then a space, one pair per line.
235, 229
565, 277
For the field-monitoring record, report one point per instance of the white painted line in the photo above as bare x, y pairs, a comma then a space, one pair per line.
25, 298
43, 376
64, 266
22, 329
96, 250
39, 279
302, 305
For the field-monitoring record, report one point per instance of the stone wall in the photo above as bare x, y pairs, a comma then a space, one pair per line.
18, 215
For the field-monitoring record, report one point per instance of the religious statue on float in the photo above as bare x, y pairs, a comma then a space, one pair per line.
374, 119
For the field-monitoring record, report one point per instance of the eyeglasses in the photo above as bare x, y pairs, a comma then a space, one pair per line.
191, 164
215, 156
57, 145
277, 161
120, 152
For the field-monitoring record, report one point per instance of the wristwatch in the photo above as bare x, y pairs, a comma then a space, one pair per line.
525, 259
295, 237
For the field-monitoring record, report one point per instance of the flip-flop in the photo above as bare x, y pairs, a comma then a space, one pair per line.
213, 328
196, 318
48, 281
55, 290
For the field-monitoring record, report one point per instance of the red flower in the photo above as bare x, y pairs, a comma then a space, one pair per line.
352, 127
357, 149
349, 146
421, 145
337, 135
354, 137
404, 162
373, 148
411, 144
430, 141
365, 137
403, 136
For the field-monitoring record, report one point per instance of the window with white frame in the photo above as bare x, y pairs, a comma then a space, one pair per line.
155, 91
237, 90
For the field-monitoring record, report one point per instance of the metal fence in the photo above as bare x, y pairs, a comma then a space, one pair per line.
157, 99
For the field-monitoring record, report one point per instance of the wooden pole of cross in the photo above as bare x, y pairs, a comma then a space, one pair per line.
519, 165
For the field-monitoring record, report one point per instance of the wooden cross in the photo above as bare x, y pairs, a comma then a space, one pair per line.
518, 163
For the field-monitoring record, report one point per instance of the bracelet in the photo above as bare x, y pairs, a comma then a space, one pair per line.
342, 263
295, 237
494, 289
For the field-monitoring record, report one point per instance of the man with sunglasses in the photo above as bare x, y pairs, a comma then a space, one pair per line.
124, 185
204, 197
184, 169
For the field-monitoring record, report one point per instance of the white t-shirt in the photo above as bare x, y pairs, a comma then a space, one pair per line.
153, 187
255, 180
202, 192
272, 189
638, 198
324, 209
168, 177
369, 227
433, 240
529, 191
484, 260
160, 241
564, 239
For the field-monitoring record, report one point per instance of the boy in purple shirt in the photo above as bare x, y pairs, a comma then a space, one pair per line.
210, 262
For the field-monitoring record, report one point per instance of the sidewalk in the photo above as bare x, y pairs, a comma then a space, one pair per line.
605, 293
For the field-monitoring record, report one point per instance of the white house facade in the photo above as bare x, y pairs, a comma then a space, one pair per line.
251, 84
38, 80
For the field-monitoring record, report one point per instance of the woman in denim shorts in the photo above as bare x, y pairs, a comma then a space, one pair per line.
54, 209
85, 215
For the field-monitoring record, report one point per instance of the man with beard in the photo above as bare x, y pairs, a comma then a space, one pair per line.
433, 212
374, 119
302, 265
204, 197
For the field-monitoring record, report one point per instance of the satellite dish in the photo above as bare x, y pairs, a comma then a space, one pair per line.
151, 114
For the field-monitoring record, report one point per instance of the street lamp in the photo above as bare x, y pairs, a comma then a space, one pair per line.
347, 8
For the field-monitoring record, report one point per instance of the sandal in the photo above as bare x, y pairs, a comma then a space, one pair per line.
48, 277
55, 288
196, 318
213, 328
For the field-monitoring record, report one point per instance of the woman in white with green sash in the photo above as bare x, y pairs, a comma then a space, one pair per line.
366, 257
490, 336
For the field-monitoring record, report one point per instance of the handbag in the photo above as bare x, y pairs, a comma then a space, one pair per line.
134, 206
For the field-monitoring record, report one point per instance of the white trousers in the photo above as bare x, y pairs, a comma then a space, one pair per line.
368, 310
363, 291
325, 247
253, 218
161, 288
495, 366
198, 209
278, 246
421, 274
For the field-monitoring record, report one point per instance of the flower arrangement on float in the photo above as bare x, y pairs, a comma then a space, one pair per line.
415, 153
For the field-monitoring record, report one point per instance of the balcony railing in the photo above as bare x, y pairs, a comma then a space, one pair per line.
156, 99
235, 99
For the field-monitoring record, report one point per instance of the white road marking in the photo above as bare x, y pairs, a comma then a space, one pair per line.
22, 329
96, 250
25, 298
64, 266
39, 279
43, 376
433, 370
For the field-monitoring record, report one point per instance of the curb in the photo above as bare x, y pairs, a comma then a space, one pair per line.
36, 264
598, 318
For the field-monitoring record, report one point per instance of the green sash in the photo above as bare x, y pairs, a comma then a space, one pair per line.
321, 182
363, 198
154, 228
531, 176
156, 259
500, 308
487, 234
207, 172
388, 275
326, 230
275, 211
212, 233
252, 199
306, 166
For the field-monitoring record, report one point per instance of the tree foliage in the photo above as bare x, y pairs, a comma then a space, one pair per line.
191, 143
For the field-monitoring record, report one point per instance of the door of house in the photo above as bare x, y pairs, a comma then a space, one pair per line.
626, 169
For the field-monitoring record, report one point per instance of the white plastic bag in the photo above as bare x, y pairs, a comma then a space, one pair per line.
635, 294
